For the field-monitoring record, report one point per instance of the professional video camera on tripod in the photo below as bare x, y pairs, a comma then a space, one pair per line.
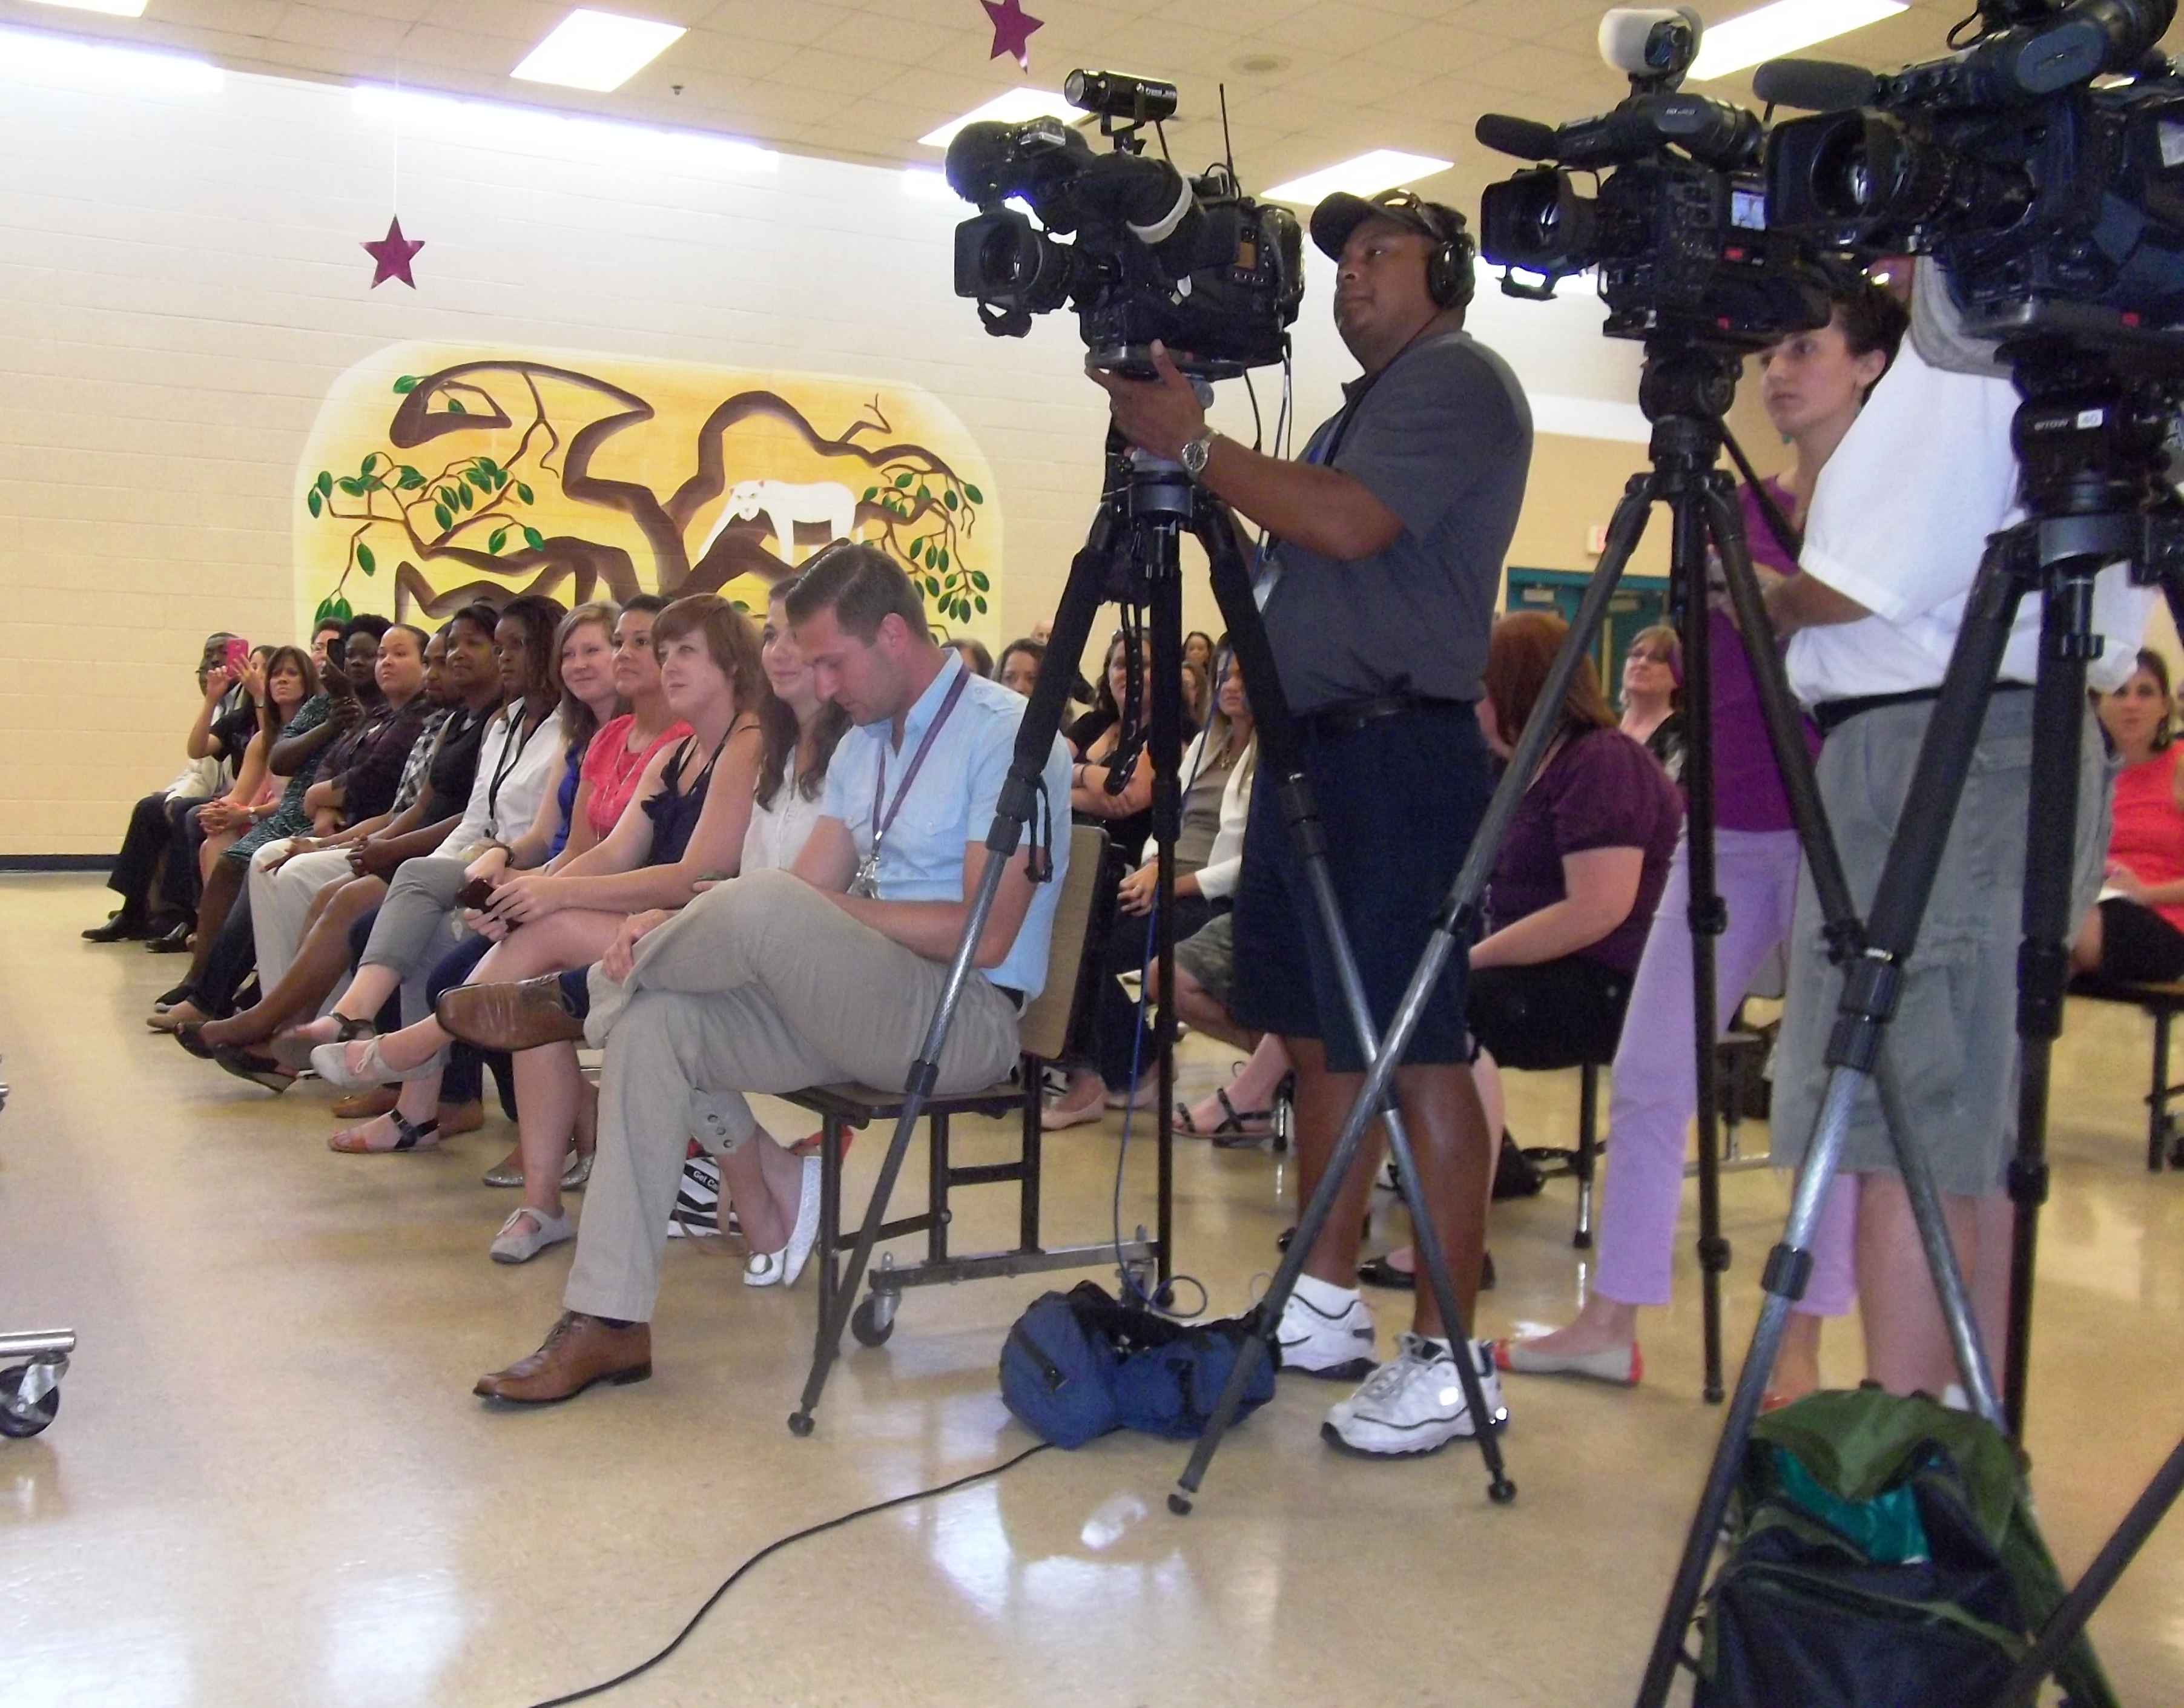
1197, 268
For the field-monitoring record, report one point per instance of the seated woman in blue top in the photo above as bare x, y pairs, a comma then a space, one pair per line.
678, 829
1575, 882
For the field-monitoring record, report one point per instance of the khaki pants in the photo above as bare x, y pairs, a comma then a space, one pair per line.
761, 984
280, 902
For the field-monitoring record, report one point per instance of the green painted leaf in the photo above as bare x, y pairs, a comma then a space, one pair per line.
978, 581
972, 494
871, 492
924, 491
980, 605
410, 479
488, 465
370, 457
352, 486
326, 482
943, 560
364, 560
311, 500
534, 539
408, 382
456, 407
903, 480
497, 538
933, 585
523, 492
444, 516
949, 498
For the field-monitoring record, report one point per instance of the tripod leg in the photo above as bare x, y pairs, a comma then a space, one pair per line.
1688, 585
2043, 965
1073, 626
1166, 754
1278, 749
1872, 989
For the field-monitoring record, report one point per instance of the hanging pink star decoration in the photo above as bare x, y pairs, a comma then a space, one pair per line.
391, 256
1012, 29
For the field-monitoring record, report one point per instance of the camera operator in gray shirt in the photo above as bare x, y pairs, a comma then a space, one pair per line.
1385, 547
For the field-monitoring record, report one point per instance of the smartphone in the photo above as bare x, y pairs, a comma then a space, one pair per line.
335, 681
476, 895
237, 660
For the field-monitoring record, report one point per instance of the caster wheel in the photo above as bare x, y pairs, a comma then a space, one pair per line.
13, 1424
1502, 1493
1180, 1505
799, 1424
873, 1321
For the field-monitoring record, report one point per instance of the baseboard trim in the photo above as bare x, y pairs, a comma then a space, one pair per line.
24, 862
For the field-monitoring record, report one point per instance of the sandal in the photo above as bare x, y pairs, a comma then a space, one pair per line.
293, 1050
363, 1105
409, 1135
1234, 1128
257, 1069
187, 1035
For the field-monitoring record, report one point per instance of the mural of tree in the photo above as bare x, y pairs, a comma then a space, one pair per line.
451, 527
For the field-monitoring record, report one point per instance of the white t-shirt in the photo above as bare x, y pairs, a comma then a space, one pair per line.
1900, 517
778, 833
514, 772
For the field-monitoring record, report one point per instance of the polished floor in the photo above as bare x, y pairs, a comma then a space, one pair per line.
269, 1483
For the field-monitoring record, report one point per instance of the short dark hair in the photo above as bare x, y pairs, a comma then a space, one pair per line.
1871, 320
1036, 649
480, 614
653, 603
862, 584
370, 623
422, 639
325, 623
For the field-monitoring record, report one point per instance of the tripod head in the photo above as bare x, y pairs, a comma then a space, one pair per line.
2092, 433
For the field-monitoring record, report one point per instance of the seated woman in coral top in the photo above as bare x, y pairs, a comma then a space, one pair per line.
2135, 933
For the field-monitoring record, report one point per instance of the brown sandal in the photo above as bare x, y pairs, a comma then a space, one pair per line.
409, 1135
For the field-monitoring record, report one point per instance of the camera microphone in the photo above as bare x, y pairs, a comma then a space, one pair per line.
1651, 41
1526, 138
1814, 86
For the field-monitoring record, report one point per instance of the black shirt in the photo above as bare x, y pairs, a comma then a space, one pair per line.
453, 769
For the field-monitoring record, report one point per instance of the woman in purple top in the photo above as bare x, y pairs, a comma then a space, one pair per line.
1813, 384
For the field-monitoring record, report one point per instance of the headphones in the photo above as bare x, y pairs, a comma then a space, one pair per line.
1449, 266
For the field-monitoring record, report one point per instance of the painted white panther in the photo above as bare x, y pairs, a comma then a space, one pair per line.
826, 503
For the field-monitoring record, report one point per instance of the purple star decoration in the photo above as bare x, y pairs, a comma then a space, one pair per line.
391, 256
1012, 29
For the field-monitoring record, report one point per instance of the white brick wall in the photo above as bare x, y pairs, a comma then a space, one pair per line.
180, 283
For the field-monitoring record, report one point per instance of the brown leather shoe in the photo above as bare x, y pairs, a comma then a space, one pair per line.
579, 1351
521, 1015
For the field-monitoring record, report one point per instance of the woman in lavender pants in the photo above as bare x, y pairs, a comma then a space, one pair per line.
1813, 384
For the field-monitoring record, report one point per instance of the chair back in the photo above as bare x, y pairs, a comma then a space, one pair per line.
1043, 1029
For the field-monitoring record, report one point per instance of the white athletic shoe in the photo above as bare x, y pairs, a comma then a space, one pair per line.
1414, 1404
1338, 1349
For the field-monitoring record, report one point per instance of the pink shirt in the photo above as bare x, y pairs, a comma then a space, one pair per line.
612, 767
2147, 834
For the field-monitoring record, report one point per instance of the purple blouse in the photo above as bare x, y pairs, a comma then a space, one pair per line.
1747, 789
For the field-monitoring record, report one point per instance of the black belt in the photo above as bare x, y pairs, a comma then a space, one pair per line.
1832, 715
1347, 717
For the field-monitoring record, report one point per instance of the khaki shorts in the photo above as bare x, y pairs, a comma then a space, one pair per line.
1208, 954
1953, 1042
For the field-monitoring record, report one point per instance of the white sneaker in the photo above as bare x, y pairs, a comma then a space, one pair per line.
1338, 1348
1414, 1404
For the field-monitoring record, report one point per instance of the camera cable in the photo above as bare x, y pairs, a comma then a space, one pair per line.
775, 1546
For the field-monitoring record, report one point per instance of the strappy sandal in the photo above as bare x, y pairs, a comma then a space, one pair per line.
293, 1051
409, 1135
1234, 1129
187, 1035
257, 1069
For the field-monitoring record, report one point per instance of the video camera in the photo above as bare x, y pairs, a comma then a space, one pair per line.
1194, 263
2054, 202
1678, 230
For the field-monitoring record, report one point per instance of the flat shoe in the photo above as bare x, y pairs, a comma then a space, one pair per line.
335, 1065
176, 942
1620, 1365
527, 1233
1378, 1272
1057, 1116
781, 1268
579, 1351
174, 1018
519, 1015
293, 1049
257, 1069
507, 1171
578, 1174
409, 1135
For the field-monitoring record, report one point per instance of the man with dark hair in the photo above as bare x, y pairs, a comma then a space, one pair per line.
1385, 545
831, 970
324, 633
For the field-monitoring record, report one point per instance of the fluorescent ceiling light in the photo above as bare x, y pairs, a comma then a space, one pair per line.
115, 8
596, 50
28, 56
1366, 175
1011, 109
1783, 28
510, 128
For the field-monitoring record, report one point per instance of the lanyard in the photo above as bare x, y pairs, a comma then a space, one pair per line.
881, 826
511, 755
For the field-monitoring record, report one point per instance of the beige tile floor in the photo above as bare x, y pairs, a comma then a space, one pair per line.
268, 1484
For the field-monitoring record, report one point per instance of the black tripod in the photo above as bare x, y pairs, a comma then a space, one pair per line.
1132, 556
1689, 382
2091, 442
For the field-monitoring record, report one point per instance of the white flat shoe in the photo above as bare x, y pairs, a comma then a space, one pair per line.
331, 1062
781, 1268
527, 1233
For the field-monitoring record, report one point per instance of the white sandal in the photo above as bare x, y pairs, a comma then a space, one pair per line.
519, 1243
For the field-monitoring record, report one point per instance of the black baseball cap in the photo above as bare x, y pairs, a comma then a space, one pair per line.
1335, 219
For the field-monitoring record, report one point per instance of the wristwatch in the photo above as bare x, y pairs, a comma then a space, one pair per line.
1196, 449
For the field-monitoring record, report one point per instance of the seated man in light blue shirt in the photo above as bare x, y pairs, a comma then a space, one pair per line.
829, 971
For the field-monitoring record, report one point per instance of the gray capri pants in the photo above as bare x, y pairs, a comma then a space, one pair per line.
417, 925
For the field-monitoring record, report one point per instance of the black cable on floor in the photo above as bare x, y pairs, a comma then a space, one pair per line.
775, 1546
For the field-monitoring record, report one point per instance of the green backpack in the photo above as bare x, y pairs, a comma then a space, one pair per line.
1883, 1555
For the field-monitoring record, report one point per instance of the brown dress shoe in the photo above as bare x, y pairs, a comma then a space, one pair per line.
579, 1351
521, 1015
